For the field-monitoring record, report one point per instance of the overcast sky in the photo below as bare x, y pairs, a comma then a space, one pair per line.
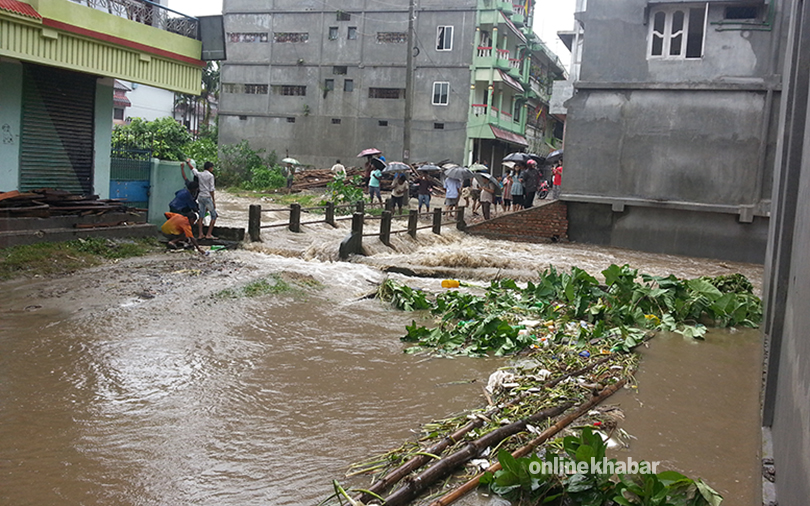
550, 17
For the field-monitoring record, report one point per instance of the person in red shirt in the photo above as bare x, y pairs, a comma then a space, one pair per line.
557, 181
178, 229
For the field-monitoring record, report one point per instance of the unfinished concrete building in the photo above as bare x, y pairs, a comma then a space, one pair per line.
322, 81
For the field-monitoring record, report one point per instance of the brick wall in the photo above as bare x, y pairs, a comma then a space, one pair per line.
543, 222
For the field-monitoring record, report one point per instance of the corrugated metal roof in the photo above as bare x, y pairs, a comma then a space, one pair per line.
507, 136
20, 8
511, 81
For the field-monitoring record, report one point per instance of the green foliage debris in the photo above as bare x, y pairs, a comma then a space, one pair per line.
574, 308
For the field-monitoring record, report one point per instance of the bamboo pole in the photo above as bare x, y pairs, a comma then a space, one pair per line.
467, 487
421, 459
412, 488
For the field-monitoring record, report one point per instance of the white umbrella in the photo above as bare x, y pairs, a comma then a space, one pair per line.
291, 161
479, 167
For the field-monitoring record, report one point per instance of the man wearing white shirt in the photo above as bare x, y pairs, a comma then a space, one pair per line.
205, 199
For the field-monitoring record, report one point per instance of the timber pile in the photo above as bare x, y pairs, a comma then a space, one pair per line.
47, 202
319, 178
543, 395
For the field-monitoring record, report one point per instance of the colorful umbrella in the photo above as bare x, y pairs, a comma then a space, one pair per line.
369, 152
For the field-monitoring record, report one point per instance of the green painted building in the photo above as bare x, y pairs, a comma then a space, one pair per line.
58, 62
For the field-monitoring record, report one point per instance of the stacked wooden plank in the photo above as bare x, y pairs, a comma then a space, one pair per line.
319, 178
47, 202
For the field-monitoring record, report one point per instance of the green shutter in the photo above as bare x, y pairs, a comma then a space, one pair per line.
56, 145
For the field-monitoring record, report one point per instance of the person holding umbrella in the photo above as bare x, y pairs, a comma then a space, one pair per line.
530, 179
374, 180
517, 190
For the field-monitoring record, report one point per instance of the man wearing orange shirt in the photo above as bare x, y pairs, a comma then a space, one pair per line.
178, 229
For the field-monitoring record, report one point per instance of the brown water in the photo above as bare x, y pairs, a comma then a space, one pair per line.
107, 397
696, 410
266, 410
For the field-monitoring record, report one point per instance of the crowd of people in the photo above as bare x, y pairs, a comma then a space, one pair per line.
516, 189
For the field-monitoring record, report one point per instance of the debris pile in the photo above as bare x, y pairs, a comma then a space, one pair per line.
48, 202
319, 178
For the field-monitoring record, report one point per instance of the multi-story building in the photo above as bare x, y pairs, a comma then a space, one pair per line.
58, 63
321, 81
670, 124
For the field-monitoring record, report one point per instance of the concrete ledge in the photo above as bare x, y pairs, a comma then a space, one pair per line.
33, 236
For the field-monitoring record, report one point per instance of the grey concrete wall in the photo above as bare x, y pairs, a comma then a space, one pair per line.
672, 231
787, 277
691, 146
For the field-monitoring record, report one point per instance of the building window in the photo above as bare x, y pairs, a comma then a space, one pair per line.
348, 85
333, 33
677, 32
248, 89
118, 113
290, 90
329, 84
248, 37
352, 35
444, 39
386, 93
282, 37
516, 111
382, 122
290, 120
242, 118
256, 89
340, 70
749, 13
343, 16
392, 37
438, 126
336, 121
441, 92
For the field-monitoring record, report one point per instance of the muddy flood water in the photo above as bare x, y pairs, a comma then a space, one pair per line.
132, 384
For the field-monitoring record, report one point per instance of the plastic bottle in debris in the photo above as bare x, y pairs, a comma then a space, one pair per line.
450, 283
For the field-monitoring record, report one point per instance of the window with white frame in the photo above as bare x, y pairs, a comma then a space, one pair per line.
677, 32
444, 38
441, 93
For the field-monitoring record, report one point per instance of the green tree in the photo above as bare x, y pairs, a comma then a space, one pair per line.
165, 138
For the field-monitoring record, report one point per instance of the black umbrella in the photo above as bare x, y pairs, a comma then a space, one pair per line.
537, 158
397, 167
456, 172
429, 167
377, 163
516, 157
484, 178
554, 156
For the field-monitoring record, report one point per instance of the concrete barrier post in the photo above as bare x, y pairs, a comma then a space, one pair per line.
330, 214
437, 221
295, 217
413, 222
255, 222
385, 228
460, 223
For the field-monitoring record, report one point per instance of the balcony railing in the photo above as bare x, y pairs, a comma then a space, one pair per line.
484, 52
519, 9
503, 54
514, 63
148, 13
479, 109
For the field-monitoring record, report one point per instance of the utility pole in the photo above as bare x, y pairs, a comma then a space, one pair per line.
406, 135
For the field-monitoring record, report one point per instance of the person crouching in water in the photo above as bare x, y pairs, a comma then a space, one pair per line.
178, 229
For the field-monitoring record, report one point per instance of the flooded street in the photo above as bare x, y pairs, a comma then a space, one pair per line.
145, 382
